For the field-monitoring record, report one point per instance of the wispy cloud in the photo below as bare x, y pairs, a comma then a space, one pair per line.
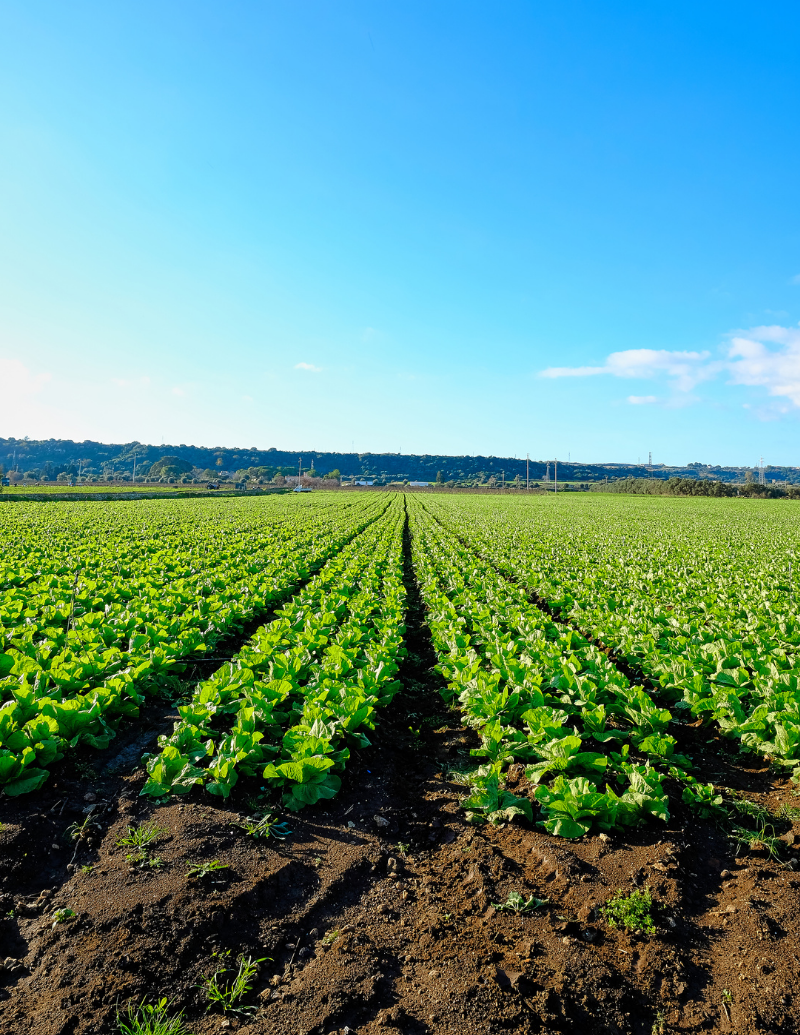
777, 370
17, 380
308, 366
766, 357
136, 382
795, 279
688, 368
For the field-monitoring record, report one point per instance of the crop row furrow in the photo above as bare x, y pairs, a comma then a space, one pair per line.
706, 618
299, 695
541, 694
58, 694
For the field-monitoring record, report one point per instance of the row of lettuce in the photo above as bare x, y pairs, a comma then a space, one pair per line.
103, 603
305, 688
699, 598
596, 746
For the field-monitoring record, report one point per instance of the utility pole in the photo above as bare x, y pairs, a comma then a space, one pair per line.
528, 475
299, 469
504, 479
556, 474
134, 469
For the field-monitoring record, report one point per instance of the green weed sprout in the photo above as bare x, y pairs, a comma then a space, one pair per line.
756, 840
151, 1019
140, 839
203, 869
630, 912
266, 826
62, 916
227, 993
517, 904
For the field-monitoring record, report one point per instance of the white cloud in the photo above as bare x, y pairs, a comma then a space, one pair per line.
795, 279
137, 382
308, 366
777, 370
16, 379
688, 368
761, 357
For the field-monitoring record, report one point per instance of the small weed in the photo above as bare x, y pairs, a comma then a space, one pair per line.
750, 810
764, 839
87, 868
140, 839
63, 916
630, 912
79, 831
330, 937
227, 992
415, 742
264, 826
517, 904
85, 770
151, 1019
199, 870
460, 772
788, 812
659, 1024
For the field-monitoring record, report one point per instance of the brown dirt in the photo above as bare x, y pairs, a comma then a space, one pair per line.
419, 949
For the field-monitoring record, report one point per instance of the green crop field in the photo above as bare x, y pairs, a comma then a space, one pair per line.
576, 635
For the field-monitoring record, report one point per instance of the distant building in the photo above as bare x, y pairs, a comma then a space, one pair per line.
302, 488
419, 485
362, 482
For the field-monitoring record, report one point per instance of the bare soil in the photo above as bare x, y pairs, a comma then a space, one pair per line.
375, 914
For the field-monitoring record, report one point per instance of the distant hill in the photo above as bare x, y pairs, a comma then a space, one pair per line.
54, 456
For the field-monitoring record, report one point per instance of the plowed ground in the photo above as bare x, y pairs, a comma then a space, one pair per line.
375, 914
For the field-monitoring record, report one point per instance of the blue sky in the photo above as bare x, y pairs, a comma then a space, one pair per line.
571, 229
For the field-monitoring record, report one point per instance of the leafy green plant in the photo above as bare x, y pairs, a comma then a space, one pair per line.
113, 610
151, 1019
632, 912
226, 989
489, 801
704, 800
516, 903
